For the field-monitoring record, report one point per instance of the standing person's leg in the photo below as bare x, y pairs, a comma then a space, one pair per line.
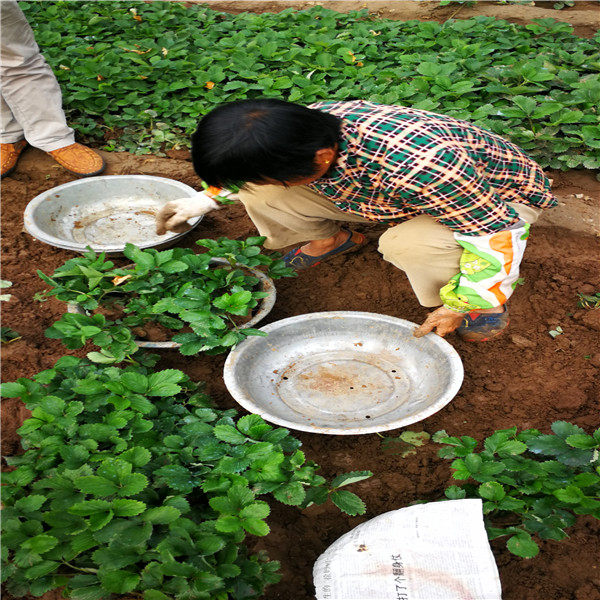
287, 216
32, 100
29, 88
12, 140
428, 253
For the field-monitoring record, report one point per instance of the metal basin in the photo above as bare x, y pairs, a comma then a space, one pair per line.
343, 373
105, 212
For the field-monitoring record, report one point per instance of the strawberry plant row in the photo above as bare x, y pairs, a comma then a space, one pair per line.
142, 74
132, 483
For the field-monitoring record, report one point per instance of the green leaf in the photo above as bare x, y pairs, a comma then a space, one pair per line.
115, 557
570, 494
580, 440
141, 257
460, 469
255, 527
223, 505
136, 382
99, 520
30, 503
12, 390
511, 448
176, 477
292, 493
161, 515
527, 105
229, 434
174, 266
429, 69
348, 502
97, 486
127, 508
137, 456
41, 569
89, 507
98, 357
240, 495
492, 490
228, 524
256, 510
348, 478
455, 493
164, 383
563, 429
155, 595
522, 545
88, 593
119, 582
209, 544
40, 543
52, 405
253, 426
133, 484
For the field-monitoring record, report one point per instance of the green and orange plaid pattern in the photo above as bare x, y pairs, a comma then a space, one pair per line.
396, 163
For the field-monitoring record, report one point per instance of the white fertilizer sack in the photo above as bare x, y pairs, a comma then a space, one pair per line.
435, 551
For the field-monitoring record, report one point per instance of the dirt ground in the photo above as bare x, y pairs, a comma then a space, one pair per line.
527, 378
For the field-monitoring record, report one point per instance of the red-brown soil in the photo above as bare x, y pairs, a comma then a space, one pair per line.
527, 378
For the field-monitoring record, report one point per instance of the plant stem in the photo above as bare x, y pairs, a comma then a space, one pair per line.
82, 569
455, 12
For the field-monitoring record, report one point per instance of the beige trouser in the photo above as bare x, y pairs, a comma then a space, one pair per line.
425, 250
31, 100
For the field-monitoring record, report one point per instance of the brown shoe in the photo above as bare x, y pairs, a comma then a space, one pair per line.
79, 159
9, 155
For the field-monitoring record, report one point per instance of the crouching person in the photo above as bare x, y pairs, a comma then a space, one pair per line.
459, 200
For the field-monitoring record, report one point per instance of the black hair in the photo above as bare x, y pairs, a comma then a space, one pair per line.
249, 140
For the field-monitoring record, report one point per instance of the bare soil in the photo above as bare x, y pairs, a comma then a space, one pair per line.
526, 378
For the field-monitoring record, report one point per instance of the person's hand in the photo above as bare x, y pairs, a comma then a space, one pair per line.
443, 320
174, 214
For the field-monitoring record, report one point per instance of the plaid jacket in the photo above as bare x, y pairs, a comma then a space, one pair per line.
396, 163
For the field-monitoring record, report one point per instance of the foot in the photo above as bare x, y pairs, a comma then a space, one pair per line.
314, 252
79, 160
320, 247
482, 326
9, 155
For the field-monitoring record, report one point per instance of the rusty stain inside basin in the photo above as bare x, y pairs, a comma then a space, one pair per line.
343, 373
342, 386
105, 212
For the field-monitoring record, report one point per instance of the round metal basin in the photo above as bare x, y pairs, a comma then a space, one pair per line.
105, 212
343, 373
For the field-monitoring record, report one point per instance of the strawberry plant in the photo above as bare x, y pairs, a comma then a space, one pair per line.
532, 484
131, 483
591, 301
7, 334
405, 444
173, 288
141, 74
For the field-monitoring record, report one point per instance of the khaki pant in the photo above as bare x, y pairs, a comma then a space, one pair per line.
31, 100
425, 250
